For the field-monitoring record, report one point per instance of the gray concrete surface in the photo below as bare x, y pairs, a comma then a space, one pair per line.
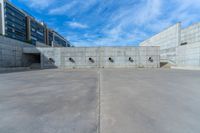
150, 101
116, 101
49, 101
168, 40
179, 47
11, 53
79, 57
19, 54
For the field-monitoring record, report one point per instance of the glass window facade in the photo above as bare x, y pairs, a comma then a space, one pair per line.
15, 23
60, 41
37, 32
68, 44
19, 25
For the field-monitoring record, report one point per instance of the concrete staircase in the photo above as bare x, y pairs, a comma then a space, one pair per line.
35, 66
166, 63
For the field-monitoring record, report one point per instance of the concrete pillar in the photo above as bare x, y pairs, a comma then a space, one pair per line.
47, 36
2, 18
28, 28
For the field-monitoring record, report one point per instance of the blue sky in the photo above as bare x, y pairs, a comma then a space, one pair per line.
111, 22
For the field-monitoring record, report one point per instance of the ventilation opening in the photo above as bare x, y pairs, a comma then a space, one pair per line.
71, 60
150, 59
110, 59
91, 60
130, 59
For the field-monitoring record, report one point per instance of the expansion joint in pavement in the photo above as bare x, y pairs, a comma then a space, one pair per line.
99, 101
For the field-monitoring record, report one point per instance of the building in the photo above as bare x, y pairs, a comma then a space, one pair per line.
179, 47
13, 21
36, 31
17, 24
168, 40
54, 39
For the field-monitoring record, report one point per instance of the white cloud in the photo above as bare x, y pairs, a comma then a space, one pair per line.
73, 7
77, 25
39, 4
147, 11
63, 9
126, 21
124, 28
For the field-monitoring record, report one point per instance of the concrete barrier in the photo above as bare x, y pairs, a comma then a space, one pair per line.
100, 57
11, 52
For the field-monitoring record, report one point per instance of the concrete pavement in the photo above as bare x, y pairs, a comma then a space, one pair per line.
48, 101
150, 101
131, 101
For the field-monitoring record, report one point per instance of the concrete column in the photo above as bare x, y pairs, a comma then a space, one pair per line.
2, 18
47, 36
28, 28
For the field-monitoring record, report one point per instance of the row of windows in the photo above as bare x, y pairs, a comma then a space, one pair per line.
15, 23
13, 9
14, 30
17, 16
34, 31
13, 20
16, 27
15, 36
36, 34
37, 26
60, 41
37, 37
37, 29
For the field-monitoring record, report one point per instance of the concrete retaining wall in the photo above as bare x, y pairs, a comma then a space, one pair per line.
19, 54
189, 55
168, 40
191, 34
11, 52
108, 57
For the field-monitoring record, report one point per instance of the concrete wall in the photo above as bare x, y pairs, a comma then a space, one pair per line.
60, 57
178, 46
19, 54
189, 55
191, 34
168, 40
11, 52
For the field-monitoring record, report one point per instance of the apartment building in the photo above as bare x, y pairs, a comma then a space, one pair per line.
17, 24
54, 39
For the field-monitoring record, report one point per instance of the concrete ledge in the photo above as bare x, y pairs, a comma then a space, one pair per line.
13, 69
31, 51
186, 68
